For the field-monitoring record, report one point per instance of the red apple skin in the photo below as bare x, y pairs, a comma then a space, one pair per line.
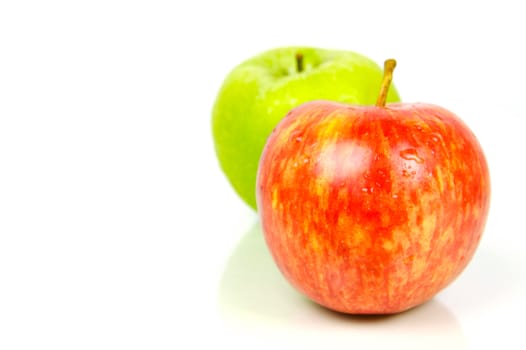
372, 210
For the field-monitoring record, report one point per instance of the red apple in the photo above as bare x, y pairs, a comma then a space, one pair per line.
372, 209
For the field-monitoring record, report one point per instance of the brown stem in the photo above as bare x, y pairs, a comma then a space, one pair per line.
389, 66
299, 62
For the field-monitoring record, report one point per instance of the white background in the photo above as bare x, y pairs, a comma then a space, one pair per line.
119, 231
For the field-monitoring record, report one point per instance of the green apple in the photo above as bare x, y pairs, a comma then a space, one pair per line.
259, 92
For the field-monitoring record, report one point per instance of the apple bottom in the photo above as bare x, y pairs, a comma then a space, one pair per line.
380, 282
370, 287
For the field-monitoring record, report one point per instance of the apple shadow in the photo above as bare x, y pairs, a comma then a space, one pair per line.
252, 292
493, 276
252, 284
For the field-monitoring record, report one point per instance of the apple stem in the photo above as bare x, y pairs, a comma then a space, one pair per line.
299, 62
389, 66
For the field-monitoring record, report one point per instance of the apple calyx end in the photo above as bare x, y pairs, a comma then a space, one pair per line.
389, 66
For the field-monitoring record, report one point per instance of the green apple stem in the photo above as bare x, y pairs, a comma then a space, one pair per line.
299, 62
389, 66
